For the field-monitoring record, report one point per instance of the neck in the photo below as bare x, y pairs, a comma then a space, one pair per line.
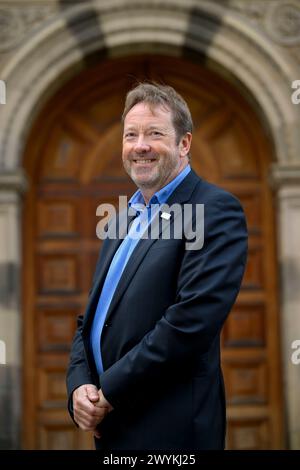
149, 192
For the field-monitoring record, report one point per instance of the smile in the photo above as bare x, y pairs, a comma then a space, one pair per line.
143, 162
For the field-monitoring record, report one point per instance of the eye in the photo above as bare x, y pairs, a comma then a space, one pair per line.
156, 133
129, 135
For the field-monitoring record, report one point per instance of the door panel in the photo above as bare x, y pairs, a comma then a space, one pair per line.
73, 159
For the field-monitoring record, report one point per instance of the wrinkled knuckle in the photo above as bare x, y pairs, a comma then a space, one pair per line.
94, 412
90, 422
76, 400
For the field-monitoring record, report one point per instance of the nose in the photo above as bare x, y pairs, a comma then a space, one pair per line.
141, 145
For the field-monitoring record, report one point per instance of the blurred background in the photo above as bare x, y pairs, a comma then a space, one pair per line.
67, 66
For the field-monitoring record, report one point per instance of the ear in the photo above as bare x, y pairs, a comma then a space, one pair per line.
185, 144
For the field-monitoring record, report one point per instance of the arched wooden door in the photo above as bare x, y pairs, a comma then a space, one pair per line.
73, 160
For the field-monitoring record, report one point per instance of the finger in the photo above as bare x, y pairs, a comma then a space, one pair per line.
85, 424
92, 393
84, 404
100, 404
87, 392
89, 420
82, 415
84, 390
95, 411
96, 416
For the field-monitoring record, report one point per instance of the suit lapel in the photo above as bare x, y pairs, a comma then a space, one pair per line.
112, 244
181, 194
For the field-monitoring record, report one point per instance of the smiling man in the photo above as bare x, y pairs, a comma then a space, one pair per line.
144, 370
152, 154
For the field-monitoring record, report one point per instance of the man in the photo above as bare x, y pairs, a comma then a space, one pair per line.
145, 371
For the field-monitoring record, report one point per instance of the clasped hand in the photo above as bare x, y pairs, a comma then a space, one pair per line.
90, 408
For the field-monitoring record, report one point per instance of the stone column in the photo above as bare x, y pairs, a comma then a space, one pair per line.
288, 184
11, 185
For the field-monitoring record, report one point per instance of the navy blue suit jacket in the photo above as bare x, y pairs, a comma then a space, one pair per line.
161, 341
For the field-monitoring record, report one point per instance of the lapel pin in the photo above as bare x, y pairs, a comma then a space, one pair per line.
165, 215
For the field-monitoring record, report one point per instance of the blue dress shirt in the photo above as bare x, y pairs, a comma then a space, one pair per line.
123, 253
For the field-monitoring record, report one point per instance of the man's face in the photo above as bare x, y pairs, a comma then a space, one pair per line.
150, 154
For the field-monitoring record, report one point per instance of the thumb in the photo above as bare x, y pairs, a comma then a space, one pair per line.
92, 393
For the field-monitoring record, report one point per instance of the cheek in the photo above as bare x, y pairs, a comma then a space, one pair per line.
126, 149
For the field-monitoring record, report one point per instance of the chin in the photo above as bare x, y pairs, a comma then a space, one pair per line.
143, 181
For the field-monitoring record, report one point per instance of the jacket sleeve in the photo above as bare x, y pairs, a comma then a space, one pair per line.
208, 283
78, 372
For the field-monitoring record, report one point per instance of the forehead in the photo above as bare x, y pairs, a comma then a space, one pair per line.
142, 112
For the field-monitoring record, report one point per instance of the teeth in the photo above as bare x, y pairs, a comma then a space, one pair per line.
143, 161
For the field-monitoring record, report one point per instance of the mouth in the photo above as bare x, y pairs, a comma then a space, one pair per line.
144, 161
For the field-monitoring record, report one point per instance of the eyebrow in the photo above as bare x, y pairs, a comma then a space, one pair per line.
152, 126
157, 126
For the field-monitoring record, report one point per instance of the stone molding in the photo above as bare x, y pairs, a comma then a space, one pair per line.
16, 22
129, 27
282, 22
285, 175
280, 19
13, 181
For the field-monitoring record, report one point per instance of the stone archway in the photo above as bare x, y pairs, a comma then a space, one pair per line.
56, 53
205, 30
175, 28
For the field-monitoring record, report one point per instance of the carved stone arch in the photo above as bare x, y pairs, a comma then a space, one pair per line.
59, 50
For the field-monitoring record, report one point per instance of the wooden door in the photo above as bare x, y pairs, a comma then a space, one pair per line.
73, 160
